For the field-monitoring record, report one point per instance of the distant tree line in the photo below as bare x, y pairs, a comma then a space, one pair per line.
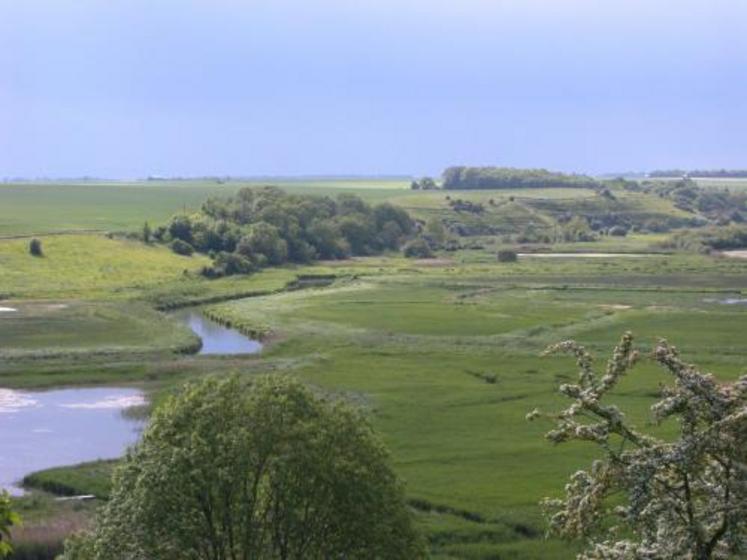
259, 227
462, 177
703, 173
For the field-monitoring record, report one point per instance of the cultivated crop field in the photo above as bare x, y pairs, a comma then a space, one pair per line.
27, 209
444, 354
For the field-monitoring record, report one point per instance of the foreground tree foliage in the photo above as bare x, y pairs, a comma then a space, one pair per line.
226, 472
685, 498
8, 518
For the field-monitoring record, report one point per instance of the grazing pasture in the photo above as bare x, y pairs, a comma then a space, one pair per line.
444, 354
35, 208
449, 364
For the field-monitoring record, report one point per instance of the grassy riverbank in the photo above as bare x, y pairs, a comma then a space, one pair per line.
444, 354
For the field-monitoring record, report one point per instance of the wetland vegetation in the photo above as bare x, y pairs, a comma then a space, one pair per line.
443, 354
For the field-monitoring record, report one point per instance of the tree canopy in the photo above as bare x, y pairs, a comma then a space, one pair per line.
650, 497
8, 518
229, 472
704, 173
266, 226
462, 177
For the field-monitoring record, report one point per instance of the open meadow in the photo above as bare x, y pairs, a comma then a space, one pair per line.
444, 354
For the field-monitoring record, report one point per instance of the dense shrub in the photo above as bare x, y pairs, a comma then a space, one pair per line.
226, 264
182, 247
707, 239
418, 249
507, 256
35, 248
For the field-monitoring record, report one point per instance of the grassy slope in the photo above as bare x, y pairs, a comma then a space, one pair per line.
87, 266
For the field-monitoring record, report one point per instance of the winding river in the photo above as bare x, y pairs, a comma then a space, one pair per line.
216, 339
44, 429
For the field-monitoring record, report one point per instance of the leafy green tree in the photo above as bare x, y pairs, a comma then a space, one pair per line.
35, 248
358, 231
181, 228
226, 264
428, 184
147, 233
649, 497
352, 204
578, 229
386, 213
326, 237
436, 231
8, 518
226, 471
182, 247
264, 239
418, 249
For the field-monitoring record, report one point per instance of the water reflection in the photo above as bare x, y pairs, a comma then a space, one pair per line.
39, 430
217, 339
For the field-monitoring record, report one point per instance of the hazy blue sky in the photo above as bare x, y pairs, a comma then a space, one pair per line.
125, 88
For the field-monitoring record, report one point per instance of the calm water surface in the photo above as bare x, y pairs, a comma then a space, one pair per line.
44, 429
217, 339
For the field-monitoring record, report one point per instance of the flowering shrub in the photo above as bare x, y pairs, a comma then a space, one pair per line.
685, 498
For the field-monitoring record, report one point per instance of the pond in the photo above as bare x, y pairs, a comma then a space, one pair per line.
217, 339
588, 255
44, 429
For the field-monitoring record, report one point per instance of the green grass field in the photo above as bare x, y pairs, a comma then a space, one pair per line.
28, 208
37, 329
444, 355
417, 348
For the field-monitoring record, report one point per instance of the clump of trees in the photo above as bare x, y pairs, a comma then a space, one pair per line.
424, 184
577, 229
418, 249
460, 205
261, 227
462, 177
271, 471
182, 247
35, 248
709, 239
649, 497
711, 205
